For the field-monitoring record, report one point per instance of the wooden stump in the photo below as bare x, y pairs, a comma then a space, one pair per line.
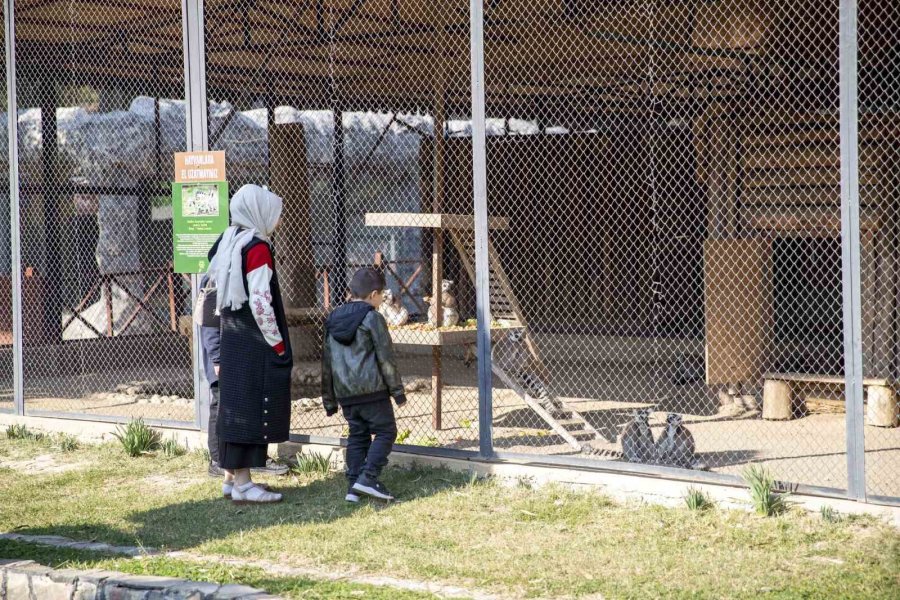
186, 326
777, 402
882, 409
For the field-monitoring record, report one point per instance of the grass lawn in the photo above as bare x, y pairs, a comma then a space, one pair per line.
476, 534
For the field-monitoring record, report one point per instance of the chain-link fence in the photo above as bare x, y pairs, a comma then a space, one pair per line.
671, 176
879, 169
98, 120
6, 313
354, 112
663, 184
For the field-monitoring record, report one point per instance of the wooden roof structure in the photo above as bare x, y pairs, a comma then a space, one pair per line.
377, 54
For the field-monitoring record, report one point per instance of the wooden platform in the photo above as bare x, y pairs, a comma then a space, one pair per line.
430, 221
404, 336
783, 401
821, 379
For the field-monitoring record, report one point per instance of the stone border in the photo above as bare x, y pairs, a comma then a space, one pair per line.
441, 590
27, 580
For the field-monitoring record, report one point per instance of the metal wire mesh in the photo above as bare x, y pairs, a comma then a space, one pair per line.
664, 187
6, 371
99, 119
669, 172
879, 103
352, 111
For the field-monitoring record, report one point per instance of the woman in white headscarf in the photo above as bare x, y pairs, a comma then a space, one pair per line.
255, 353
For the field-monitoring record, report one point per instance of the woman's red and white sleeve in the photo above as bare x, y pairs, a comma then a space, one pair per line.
259, 276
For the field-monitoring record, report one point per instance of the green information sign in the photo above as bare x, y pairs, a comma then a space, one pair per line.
199, 216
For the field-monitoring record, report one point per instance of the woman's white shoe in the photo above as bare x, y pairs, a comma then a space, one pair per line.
250, 493
227, 488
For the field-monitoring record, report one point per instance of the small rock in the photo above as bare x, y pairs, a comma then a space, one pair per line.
48, 589
231, 591
417, 385
85, 590
307, 404
17, 585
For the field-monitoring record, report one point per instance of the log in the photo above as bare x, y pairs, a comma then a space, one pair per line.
777, 404
882, 409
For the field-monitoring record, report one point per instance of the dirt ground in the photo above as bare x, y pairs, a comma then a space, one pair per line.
808, 450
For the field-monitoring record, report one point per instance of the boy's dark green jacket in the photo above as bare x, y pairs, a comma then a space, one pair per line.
358, 363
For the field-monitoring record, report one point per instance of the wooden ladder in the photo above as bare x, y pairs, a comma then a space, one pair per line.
505, 306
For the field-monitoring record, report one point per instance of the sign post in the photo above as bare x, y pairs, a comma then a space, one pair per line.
199, 208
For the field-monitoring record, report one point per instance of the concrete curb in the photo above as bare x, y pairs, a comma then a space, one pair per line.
621, 487
618, 485
26, 580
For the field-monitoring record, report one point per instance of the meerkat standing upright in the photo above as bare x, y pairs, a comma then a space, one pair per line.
637, 438
676, 445
448, 307
393, 310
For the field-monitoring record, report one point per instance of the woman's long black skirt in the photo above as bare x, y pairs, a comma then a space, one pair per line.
242, 456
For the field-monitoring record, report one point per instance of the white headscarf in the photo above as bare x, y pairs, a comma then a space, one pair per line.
254, 214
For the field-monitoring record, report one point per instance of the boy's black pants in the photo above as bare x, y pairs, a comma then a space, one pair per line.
365, 454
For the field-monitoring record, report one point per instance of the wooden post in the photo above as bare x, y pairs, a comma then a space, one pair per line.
436, 351
339, 215
109, 306
882, 409
777, 403
172, 314
437, 255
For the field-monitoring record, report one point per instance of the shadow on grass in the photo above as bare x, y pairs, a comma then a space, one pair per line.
187, 524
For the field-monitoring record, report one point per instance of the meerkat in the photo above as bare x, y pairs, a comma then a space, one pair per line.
393, 310
637, 438
511, 354
675, 446
448, 307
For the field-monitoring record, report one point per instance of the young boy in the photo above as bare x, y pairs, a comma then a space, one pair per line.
359, 374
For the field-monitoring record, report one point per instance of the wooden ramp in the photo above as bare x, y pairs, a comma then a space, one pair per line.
567, 422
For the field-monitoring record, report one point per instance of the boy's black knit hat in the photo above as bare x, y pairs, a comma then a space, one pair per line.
365, 281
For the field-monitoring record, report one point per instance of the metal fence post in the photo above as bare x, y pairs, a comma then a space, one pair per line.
850, 251
15, 230
197, 140
482, 276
